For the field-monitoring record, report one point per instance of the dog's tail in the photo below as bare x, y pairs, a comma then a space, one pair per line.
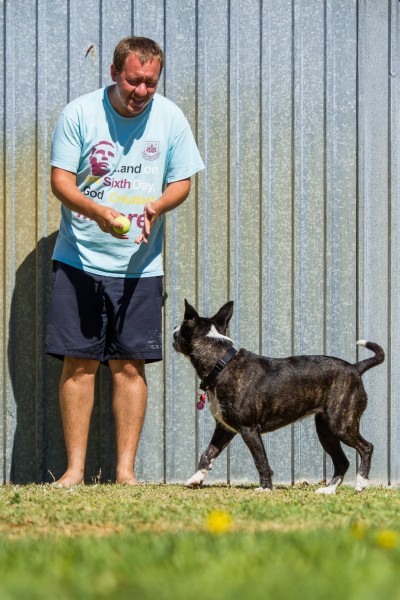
368, 363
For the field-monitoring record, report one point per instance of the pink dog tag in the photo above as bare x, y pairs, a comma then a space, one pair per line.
201, 403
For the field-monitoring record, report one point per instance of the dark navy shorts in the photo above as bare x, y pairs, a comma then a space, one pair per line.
104, 318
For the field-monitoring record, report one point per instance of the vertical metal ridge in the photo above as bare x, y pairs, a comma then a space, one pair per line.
10, 266
165, 405
260, 183
196, 215
357, 74
325, 180
359, 180
229, 165
196, 128
293, 199
37, 394
389, 249
100, 49
69, 60
325, 201
391, 124
4, 264
228, 187
165, 68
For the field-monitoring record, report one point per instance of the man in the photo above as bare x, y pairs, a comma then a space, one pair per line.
114, 151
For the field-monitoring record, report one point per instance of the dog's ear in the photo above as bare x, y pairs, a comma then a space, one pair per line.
224, 315
190, 312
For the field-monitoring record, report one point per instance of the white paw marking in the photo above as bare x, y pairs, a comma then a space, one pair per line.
265, 490
197, 479
361, 483
328, 490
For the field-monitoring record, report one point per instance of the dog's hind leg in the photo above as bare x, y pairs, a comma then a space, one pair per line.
220, 439
365, 450
253, 441
348, 431
331, 444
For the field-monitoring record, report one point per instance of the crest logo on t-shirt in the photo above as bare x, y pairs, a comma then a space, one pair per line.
100, 157
151, 150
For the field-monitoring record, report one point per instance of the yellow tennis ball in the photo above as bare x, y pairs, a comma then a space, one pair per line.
125, 225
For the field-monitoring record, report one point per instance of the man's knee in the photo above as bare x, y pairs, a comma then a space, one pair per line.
128, 369
79, 367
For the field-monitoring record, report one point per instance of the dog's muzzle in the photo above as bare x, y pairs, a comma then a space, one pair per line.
175, 343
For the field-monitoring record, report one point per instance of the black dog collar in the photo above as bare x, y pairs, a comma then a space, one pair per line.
209, 381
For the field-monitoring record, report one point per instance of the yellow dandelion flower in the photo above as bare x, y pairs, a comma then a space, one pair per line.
219, 521
387, 539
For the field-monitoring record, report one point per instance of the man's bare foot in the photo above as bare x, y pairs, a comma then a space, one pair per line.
126, 476
130, 481
68, 480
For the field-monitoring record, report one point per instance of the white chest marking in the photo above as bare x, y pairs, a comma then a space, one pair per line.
216, 411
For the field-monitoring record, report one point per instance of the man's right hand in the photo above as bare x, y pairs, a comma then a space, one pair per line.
63, 185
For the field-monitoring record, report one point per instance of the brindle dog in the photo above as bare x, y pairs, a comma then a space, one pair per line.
250, 395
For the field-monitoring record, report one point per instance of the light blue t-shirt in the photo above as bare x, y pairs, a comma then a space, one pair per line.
122, 163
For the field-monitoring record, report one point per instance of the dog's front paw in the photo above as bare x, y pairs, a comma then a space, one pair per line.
197, 479
264, 489
328, 490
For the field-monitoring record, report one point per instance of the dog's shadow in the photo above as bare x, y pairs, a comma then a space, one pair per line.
33, 436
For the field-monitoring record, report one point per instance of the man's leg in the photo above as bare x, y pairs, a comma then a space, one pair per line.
129, 406
76, 402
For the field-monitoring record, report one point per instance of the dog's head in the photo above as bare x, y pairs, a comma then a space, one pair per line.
195, 328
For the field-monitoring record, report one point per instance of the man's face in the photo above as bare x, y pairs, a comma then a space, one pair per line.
136, 84
100, 158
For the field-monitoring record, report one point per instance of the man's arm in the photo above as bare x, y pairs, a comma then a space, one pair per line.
63, 185
174, 194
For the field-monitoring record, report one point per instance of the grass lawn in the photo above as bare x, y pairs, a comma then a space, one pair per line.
168, 542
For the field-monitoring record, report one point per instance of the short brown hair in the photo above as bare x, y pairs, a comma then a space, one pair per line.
145, 49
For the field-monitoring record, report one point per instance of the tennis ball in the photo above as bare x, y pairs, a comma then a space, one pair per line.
125, 225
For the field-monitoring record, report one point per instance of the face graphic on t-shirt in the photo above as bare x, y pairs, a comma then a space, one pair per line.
100, 158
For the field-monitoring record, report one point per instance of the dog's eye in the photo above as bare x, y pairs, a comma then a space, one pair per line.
185, 329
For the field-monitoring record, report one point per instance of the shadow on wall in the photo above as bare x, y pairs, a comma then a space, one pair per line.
35, 440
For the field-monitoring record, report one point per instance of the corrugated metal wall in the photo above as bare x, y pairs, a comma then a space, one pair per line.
295, 108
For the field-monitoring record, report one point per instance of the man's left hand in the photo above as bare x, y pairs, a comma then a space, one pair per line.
150, 216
